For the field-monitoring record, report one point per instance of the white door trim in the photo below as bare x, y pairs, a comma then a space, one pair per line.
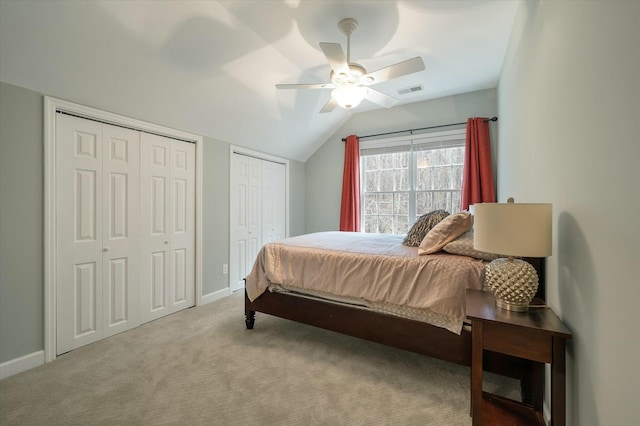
51, 106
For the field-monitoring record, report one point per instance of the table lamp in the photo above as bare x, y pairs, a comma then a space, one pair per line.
513, 230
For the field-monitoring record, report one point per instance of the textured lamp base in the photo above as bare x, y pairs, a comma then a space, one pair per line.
511, 306
513, 282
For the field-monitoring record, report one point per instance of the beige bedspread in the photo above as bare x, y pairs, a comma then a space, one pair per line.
376, 268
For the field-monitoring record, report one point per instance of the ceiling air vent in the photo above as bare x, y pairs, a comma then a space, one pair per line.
412, 89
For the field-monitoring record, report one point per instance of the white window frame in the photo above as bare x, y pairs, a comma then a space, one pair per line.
434, 140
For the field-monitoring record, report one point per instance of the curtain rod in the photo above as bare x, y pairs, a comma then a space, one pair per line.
422, 128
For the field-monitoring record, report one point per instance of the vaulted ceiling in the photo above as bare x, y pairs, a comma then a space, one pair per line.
210, 67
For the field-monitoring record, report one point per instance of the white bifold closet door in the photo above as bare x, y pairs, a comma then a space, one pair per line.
245, 217
257, 212
125, 211
97, 227
167, 231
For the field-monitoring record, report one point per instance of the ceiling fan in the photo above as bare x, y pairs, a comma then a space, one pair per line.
350, 81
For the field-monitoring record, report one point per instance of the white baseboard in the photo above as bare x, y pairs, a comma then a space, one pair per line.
36, 359
216, 295
24, 363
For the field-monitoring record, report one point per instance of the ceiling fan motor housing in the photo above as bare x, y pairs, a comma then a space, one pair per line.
356, 72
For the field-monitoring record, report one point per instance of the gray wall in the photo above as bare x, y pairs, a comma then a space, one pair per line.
215, 194
324, 167
297, 198
21, 222
21, 219
569, 98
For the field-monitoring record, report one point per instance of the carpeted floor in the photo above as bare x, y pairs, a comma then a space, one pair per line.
201, 366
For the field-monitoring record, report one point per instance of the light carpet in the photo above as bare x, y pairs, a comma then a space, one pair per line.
201, 366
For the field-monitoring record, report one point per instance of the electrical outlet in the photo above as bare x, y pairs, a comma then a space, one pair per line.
225, 269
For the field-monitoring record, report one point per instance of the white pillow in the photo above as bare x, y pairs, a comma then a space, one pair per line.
463, 245
446, 231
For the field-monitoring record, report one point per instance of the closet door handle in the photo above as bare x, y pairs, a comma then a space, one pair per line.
105, 249
166, 242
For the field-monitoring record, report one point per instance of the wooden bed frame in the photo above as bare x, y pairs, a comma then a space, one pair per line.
411, 335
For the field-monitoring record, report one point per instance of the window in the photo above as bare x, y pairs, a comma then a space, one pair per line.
403, 178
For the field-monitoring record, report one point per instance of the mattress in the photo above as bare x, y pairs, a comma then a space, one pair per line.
375, 271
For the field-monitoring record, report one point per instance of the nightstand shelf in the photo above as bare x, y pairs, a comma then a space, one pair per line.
497, 410
537, 335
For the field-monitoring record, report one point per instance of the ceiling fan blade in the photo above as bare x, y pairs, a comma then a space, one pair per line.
335, 57
394, 71
380, 98
306, 86
329, 106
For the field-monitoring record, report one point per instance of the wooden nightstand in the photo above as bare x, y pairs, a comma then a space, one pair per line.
537, 335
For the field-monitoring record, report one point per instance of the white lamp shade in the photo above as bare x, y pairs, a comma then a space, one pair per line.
349, 96
513, 229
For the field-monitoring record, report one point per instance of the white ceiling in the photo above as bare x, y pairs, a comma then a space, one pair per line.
210, 67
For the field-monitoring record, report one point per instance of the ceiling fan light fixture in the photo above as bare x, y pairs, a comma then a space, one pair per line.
349, 96
350, 81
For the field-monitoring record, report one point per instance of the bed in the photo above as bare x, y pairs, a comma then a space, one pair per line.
317, 279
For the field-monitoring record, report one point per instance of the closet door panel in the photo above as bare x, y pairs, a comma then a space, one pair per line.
121, 173
155, 220
167, 185
86, 321
118, 309
239, 223
158, 281
79, 232
183, 225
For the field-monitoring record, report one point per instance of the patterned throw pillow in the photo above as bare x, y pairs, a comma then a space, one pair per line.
422, 226
463, 245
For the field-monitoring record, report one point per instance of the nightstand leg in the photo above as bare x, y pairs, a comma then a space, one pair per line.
476, 372
558, 383
537, 370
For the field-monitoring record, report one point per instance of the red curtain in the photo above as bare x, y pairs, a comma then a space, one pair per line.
477, 180
350, 207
